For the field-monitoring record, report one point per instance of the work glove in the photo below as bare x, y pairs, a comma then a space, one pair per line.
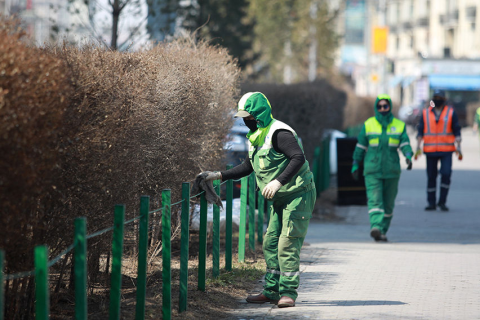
409, 161
459, 154
418, 153
212, 175
271, 188
355, 171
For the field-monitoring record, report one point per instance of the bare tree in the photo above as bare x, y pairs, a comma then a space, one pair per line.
105, 19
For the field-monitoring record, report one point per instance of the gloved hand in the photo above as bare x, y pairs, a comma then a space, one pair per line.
409, 163
458, 152
355, 171
212, 175
418, 153
271, 188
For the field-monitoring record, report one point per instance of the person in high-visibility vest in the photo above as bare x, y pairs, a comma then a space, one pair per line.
283, 176
377, 148
439, 129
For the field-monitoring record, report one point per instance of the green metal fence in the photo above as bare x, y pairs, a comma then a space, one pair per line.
42, 264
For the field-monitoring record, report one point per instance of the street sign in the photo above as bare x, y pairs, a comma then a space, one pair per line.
379, 37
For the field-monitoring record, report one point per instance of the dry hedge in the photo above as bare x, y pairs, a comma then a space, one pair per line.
85, 128
308, 108
34, 92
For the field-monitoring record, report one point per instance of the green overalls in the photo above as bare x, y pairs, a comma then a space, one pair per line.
377, 147
289, 216
292, 204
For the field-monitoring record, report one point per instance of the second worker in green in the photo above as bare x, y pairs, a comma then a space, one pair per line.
378, 144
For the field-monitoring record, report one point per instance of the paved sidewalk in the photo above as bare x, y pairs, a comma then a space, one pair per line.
430, 269
378, 281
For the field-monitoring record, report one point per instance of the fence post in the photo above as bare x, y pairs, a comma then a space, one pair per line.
2, 285
117, 252
142, 258
216, 234
251, 211
261, 212
202, 249
80, 269
243, 220
184, 242
42, 295
166, 256
228, 223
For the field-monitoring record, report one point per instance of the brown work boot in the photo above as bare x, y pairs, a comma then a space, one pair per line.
260, 298
286, 302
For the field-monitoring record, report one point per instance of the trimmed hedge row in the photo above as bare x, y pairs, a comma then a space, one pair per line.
85, 128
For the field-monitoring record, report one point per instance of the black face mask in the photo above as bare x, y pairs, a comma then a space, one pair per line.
251, 124
384, 113
438, 102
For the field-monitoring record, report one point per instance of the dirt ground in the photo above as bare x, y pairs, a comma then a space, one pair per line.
221, 294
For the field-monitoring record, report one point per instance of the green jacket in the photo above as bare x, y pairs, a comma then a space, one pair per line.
378, 144
267, 163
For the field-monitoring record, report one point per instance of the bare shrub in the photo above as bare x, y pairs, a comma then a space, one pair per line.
86, 128
308, 108
358, 109
34, 91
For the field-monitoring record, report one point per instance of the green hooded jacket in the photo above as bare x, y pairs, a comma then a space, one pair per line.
378, 144
267, 163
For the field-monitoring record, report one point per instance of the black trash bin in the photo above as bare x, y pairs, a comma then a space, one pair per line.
350, 192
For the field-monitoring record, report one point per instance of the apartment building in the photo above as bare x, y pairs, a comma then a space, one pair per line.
431, 44
48, 20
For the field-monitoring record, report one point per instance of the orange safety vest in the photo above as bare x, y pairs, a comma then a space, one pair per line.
438, 136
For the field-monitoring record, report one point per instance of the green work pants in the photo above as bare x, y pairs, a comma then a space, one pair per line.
381, 194
282, 243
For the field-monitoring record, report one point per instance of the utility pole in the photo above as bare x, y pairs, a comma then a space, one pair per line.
382, 21
312, 53
368, 44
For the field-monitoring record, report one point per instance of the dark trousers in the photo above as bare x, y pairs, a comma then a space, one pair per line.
432, 172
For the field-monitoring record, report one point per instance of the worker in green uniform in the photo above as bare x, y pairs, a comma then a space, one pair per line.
283, 176
377, 148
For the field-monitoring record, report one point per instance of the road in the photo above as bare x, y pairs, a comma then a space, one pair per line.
429, 269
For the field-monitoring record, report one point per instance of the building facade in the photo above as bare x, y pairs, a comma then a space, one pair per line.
431, 44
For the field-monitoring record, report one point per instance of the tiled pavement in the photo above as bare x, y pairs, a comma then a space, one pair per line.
430, 269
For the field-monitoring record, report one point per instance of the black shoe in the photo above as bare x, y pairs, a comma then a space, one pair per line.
430, 207
443, 207
383, 238
376, 234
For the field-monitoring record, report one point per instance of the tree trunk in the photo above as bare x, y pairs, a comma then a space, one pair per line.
115, 17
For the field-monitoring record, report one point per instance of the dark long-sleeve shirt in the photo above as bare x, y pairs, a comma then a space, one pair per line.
283, 141
456, 128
